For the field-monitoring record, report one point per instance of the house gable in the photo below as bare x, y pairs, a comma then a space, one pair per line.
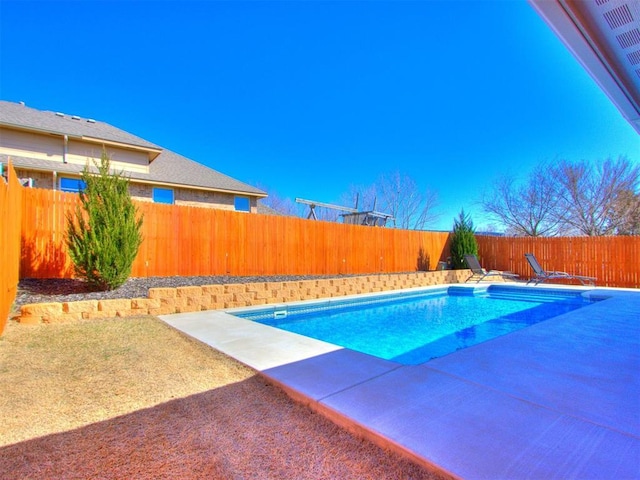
41, 141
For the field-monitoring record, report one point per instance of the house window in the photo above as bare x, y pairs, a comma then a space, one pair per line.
242, 204
74, 185
163, 195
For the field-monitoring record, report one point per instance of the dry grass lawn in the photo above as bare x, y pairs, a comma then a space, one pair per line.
133, 398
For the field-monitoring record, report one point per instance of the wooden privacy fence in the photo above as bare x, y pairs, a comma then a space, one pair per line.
186, 241
614, 261
10, 210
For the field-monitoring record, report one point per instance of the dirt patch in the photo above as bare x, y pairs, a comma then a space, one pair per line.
133, 398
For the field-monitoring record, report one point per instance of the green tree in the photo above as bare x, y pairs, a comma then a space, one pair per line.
104, 231
463, 240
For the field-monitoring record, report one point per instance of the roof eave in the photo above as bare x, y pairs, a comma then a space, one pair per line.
196, 187
563, 18
160, 183
152, 152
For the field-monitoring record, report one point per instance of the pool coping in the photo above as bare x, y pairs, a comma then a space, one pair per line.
532, 403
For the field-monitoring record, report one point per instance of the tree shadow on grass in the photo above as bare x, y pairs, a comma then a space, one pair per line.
248, 429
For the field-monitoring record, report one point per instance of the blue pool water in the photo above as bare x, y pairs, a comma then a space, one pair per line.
412, 329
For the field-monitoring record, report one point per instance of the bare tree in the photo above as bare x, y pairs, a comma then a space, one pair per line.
627, 209
360, 197
591, 194
569, 198
282, 205
325, 214
529, 209
399, 195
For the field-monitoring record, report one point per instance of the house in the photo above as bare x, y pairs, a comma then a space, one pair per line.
50, 150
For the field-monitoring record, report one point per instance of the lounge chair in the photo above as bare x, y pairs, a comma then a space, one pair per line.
541, 275
479, 273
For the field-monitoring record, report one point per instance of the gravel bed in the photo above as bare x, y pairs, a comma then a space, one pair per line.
38, 290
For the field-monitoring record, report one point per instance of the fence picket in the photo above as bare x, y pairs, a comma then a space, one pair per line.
612, 260
10, 215
187, 240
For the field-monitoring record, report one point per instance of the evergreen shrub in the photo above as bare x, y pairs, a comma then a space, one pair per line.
104, 231
463, 241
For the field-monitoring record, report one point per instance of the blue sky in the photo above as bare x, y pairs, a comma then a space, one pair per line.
308, 98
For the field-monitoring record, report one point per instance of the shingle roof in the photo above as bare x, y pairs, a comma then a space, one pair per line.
16, 114
265, 210
168, 167
160, 172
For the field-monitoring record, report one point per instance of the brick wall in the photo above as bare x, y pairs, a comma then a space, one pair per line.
144, 192
140, 191
185, 196
40, 179
164, 301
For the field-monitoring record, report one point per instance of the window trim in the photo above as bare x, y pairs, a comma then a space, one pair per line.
82, 186
173, 195
241, 197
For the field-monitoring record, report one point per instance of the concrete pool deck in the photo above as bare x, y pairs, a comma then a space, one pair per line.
559, 399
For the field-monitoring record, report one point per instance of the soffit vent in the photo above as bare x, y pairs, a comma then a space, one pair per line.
634, 57
618, 17
613, 29
629, 39
603, 35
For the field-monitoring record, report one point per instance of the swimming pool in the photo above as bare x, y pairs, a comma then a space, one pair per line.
414, 327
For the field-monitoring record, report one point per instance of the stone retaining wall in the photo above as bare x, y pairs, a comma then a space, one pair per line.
164, 301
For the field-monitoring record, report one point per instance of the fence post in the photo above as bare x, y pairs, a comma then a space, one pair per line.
11, 214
